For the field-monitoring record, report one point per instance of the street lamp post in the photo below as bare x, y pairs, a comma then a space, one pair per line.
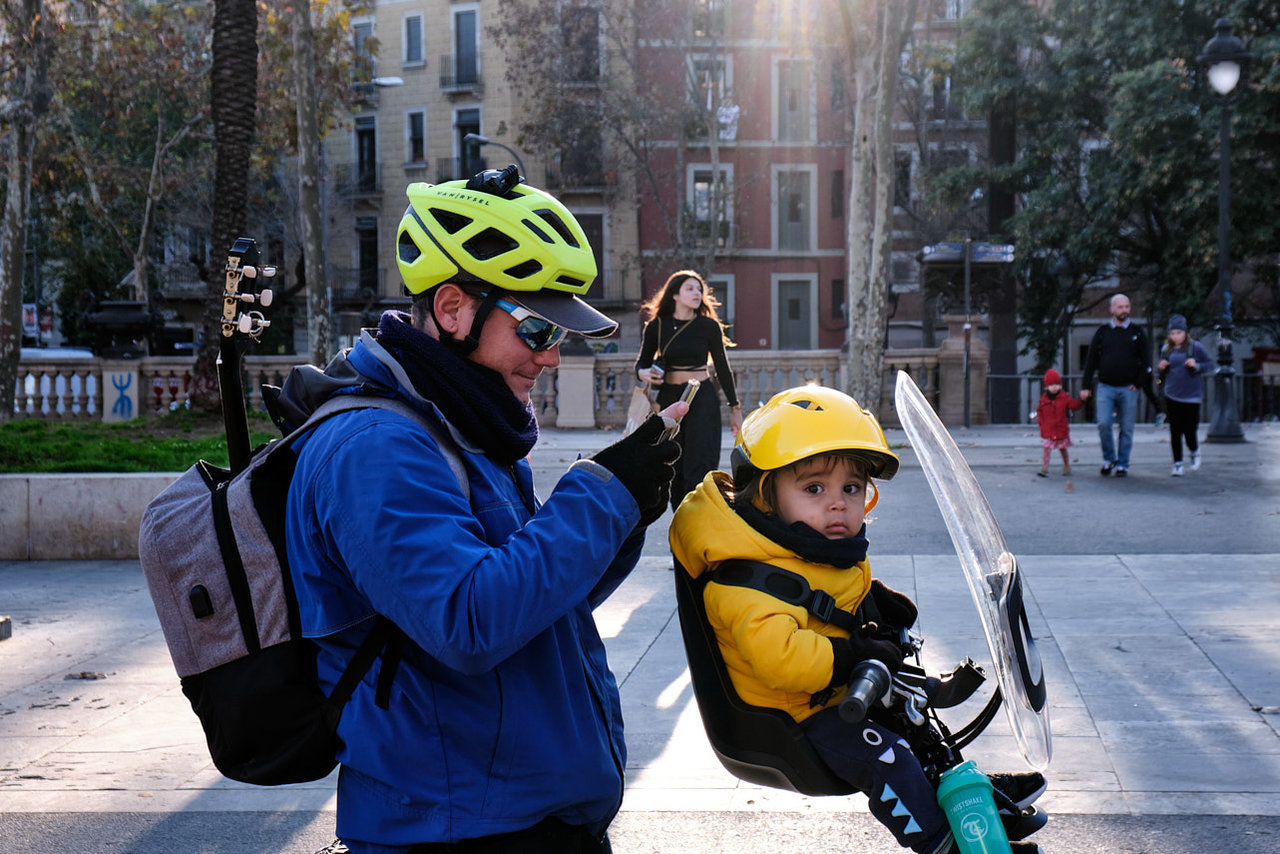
484, 140
968, 320
1224, 57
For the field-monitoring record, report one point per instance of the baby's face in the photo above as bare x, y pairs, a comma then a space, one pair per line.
828, 495
1053, 389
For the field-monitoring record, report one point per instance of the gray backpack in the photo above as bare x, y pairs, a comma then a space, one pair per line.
212, 547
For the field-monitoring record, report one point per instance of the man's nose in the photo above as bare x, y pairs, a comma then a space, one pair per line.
548, 358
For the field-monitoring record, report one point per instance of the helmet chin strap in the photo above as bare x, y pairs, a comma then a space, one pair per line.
467, 345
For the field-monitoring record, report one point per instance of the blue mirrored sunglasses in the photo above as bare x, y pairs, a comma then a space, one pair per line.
539, 334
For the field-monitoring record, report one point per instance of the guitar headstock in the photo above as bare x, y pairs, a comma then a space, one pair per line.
243, 262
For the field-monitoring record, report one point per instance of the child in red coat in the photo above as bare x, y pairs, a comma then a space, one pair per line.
1055, 430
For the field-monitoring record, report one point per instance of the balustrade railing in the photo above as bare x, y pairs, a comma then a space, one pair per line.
72, 389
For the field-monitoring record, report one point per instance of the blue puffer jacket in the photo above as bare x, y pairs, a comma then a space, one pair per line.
504, 710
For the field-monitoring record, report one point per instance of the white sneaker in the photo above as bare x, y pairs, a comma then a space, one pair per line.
1177, 470
1195, 460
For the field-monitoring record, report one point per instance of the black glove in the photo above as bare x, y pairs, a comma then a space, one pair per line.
897, 611
645, 465
861, 646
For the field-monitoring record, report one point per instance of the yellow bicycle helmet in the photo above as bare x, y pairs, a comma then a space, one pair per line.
801, 422
495, 229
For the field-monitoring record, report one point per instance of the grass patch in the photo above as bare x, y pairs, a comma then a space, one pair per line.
168, 443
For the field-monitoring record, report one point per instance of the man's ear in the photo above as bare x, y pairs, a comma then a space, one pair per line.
449, 301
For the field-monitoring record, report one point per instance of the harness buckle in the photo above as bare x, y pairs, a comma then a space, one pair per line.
822, 605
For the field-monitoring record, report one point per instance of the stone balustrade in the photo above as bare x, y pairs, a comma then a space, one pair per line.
586, 391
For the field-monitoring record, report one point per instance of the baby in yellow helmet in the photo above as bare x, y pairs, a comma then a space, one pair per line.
803, 480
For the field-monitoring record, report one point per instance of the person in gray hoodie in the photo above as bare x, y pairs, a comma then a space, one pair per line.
1182, 363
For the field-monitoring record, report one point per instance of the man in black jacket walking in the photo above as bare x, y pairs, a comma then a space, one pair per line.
1118, 355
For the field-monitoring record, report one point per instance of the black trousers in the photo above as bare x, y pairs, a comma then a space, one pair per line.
1184, 419
549, 836
699, 437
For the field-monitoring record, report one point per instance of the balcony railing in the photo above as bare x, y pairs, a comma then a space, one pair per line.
355, 287
460, 76
356, 180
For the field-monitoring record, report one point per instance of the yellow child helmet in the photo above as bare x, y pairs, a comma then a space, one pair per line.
495, 229
801, 422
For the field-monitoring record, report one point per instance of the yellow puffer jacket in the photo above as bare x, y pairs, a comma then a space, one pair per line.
777, 654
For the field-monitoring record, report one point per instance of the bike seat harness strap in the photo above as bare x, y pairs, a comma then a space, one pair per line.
788, 586
945, 691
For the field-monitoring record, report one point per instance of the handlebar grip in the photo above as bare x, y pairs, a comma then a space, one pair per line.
869, 682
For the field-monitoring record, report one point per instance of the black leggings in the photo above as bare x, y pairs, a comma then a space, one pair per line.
699, 437
1184, 419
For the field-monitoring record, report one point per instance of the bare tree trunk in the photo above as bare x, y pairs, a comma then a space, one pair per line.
876, 32
311, 223
27, 100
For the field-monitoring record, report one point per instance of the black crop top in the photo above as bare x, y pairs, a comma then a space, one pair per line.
689, 350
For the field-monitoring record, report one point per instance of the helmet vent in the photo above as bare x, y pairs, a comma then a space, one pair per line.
408, 249
525, 270
450, 221
810, 405
570, 281
553, 219
489, 243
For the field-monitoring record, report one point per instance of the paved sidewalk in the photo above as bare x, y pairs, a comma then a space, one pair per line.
1163, 662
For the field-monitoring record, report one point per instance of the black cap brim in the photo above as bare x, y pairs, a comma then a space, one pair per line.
567, 311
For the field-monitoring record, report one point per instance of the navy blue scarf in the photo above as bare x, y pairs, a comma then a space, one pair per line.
804, 541
475, 399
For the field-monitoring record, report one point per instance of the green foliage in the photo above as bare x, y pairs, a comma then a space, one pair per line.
173, 442
1117, 140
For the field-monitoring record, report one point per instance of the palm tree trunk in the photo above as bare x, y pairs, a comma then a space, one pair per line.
233, 96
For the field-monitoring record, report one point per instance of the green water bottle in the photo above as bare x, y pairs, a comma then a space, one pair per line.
965, 796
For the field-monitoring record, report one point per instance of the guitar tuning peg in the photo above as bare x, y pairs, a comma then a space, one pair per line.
250, 272
244, 324
268, 272
264, 298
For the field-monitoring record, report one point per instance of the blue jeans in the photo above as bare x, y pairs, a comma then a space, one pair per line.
1116, 405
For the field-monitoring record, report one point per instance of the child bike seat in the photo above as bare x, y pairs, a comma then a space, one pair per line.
756, 744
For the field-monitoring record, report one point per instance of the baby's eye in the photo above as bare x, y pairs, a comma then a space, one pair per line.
813, 488
853, 488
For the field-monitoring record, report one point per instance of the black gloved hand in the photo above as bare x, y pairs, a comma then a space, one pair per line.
859, 647
896, 609
645, 466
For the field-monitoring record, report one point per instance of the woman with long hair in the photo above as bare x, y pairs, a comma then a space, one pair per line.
682, 331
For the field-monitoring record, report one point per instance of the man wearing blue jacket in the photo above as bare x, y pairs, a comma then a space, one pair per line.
498, 729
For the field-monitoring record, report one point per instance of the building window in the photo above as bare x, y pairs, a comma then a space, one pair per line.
711, 203
837, 194
366, 154
465, 47
363, 63
416, 136
837, 299
722, 288
794, 114
945, 101
413, 39
793, 197
709, 76
580, 43
795, 318
902, 178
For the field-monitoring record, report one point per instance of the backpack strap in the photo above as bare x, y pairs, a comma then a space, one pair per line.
347, 402
788, 586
